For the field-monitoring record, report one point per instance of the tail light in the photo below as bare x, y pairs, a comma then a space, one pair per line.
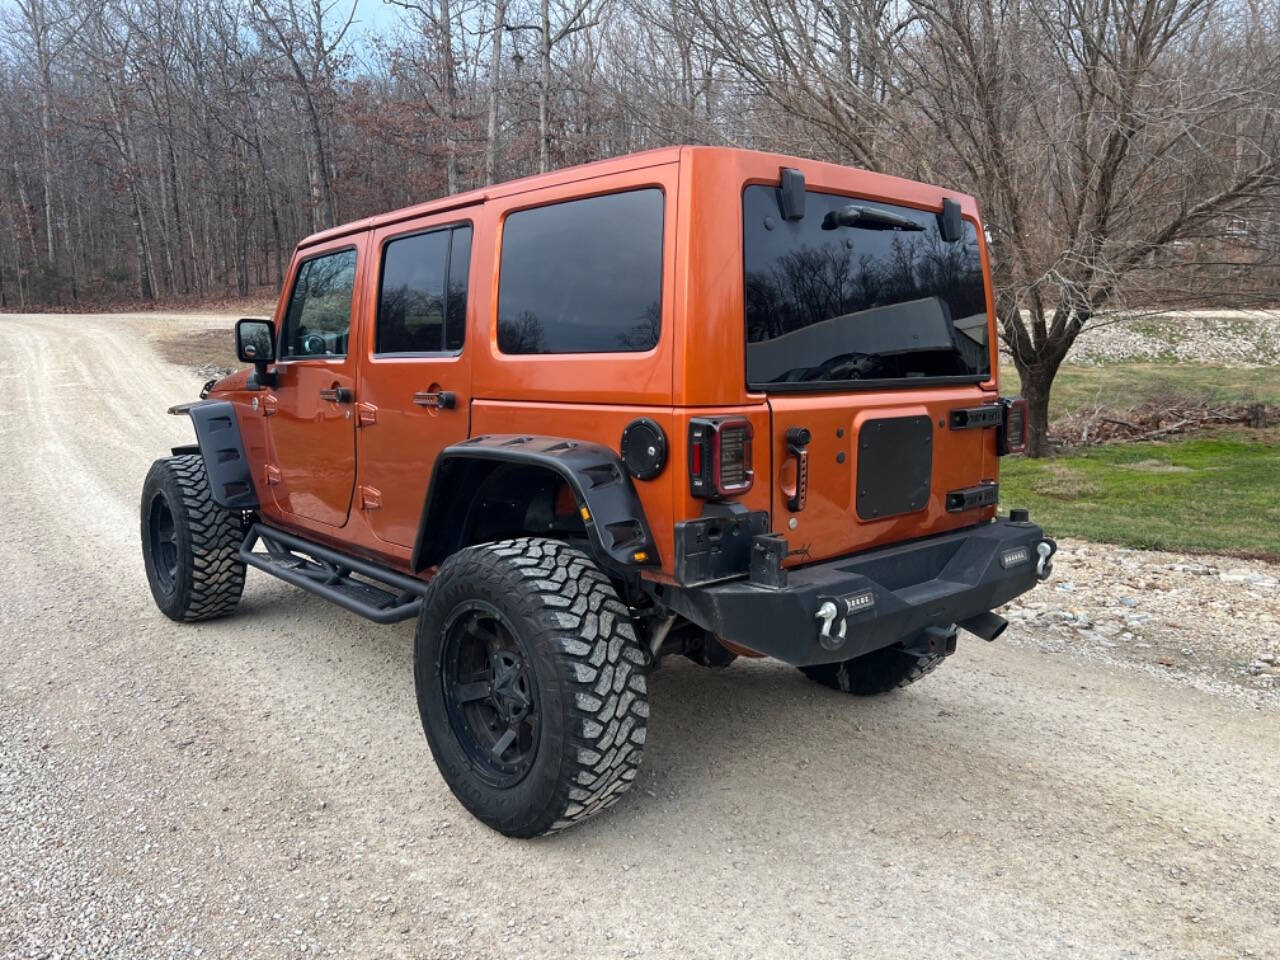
1012, 435
720, 457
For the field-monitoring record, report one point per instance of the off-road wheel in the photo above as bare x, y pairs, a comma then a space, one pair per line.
530, 685
191, 546
876, 672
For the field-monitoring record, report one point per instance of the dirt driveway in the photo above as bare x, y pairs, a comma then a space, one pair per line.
260, 786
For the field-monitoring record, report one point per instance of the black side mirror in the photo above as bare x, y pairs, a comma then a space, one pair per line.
256, 344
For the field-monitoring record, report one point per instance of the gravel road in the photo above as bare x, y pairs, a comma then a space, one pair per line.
260, 787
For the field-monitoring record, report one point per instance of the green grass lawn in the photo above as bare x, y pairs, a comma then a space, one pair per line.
1121, 385
1216, 493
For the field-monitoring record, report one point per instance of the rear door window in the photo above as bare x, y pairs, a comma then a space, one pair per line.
422, 296
584, 276
859, 291
318, 321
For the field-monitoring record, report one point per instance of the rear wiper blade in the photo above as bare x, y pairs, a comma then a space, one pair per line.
867, 218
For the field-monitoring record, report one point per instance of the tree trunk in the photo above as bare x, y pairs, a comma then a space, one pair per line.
451, 96
544, 89
1036, 384
495, 75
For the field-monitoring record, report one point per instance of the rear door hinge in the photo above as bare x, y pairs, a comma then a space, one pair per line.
366, 414
370, 497
269, 405
273, 475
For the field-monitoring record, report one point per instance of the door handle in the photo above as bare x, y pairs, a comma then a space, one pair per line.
436, 399
337, 395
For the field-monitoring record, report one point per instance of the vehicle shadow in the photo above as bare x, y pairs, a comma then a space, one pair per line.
722, 744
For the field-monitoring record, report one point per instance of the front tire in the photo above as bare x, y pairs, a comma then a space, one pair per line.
530, 685
190, 545
876, 672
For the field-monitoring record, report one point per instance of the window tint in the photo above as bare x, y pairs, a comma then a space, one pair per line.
318, 320
583, 276
418, 312
455, 304
856, 290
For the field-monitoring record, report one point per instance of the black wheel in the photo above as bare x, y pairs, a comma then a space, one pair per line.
876, 672
191, 546
530, 685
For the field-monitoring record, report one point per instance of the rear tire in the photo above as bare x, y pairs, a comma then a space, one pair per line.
190, 545
530, 685
876, 672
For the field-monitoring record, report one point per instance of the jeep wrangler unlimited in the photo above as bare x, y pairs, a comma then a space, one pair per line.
697, 400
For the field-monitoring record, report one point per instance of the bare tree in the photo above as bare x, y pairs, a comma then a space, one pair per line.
301, 34
1123, 151
1099, 134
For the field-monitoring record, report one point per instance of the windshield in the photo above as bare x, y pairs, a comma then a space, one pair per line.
859, 291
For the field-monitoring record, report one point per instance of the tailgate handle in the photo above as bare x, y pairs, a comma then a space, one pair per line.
798, 440
972, 418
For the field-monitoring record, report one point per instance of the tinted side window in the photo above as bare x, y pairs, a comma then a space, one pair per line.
583, 276
422, 302
318, 321
455, 301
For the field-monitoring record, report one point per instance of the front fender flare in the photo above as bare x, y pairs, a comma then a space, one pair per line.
218, 436
614, 517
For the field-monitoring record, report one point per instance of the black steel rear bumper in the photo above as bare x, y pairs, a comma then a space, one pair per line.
838, 609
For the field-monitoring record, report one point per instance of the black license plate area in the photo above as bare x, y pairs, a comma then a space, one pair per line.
895, 466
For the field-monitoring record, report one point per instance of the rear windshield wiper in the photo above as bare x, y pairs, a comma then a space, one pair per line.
867, 218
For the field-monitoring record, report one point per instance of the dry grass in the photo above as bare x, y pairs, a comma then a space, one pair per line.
214, 347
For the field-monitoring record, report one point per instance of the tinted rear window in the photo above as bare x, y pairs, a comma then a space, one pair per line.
583, 276
868, 301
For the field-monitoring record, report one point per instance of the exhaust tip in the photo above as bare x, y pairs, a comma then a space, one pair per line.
987, 625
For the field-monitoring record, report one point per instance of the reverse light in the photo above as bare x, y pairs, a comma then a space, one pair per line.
1011, 437
720, 455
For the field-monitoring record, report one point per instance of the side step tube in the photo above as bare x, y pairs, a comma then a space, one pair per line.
328, 573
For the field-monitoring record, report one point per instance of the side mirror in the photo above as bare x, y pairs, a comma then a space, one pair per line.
256, 344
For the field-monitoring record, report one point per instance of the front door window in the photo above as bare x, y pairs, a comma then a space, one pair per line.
318, 322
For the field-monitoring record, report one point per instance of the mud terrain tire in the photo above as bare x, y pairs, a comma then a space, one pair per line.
530, 685
190, 545
876, 672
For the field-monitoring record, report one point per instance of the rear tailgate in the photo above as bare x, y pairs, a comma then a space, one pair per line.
869, 332
880, 467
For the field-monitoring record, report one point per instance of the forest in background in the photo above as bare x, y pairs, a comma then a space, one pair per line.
1126, 153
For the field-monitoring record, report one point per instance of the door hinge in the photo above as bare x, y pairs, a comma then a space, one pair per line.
273, 475
366, 414
269, 405
370, 497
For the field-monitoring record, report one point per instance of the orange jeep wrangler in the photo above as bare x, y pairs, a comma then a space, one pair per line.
701, 401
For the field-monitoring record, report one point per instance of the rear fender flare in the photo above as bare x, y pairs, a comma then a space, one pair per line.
614, 517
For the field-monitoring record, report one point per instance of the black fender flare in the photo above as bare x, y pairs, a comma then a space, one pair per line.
614, 518
219, 441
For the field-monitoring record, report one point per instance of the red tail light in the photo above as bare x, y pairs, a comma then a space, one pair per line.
720, 454
1012, 436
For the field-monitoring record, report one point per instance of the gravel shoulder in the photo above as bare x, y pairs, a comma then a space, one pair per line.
260, 787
